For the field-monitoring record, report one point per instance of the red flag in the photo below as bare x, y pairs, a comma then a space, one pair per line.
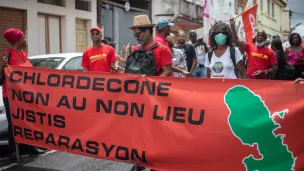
249, 18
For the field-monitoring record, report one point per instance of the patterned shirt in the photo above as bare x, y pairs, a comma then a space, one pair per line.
179, 60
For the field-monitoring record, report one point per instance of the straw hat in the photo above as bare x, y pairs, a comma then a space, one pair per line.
141, 21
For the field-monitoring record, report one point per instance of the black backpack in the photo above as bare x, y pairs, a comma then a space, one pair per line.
142, 62
232, 56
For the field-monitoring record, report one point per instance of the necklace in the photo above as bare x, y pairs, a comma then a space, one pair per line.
21, 55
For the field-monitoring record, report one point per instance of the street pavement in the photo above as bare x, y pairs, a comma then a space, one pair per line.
59, 161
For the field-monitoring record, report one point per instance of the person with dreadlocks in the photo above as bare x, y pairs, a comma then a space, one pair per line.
261, 62
224, 60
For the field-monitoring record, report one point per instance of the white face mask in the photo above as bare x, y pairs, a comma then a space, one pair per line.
260, 44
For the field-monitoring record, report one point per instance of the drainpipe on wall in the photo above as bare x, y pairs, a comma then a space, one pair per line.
194, 2
99, 13
150, 9
176, 13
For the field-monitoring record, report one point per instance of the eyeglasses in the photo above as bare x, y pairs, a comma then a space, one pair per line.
138, 34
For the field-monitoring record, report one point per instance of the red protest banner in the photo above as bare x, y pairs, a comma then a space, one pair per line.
249, 19
164, 123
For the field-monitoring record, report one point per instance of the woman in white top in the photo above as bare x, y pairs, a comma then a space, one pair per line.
222, 63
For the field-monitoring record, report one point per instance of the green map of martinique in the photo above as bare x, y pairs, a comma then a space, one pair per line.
251, 122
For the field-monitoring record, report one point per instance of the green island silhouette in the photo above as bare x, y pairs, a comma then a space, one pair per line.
251, 122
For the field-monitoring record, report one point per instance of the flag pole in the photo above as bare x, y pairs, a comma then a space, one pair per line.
17, 152
238, 15
245, 10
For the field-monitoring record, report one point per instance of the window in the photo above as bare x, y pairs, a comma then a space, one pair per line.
53, 2
74, 64
83, 5
52, 63
262, 5
81, 35
268, 7
272, 10
49, 34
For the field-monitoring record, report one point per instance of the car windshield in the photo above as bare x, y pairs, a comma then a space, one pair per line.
46, 62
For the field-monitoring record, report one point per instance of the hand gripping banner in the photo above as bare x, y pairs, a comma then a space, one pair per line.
164, 123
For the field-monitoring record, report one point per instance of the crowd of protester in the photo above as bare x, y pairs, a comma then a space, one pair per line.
226, 56
167, 54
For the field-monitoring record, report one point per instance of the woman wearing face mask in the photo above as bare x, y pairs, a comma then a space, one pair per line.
220, 62
295, 55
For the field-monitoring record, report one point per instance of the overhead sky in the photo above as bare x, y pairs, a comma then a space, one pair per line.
297, 6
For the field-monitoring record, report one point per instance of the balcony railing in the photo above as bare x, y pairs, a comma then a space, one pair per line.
191, 9
83, 5
53, 2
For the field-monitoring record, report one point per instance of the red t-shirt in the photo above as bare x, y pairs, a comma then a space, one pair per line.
162, 55
161, 39
98, 59
16, 58
259, 59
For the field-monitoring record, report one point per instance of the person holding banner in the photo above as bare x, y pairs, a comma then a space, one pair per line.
299, 80
262, 62
223, 60
100, 57
14, 55
143, 32
163, 28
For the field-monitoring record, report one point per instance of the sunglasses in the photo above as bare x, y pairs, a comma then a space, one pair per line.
95, 34
138, 34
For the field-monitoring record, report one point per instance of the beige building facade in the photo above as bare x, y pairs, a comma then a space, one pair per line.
59, 26
270, 16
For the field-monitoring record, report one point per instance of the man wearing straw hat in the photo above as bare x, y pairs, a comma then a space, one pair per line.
143, 32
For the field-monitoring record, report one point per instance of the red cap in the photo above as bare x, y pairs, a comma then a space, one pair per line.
95, 28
